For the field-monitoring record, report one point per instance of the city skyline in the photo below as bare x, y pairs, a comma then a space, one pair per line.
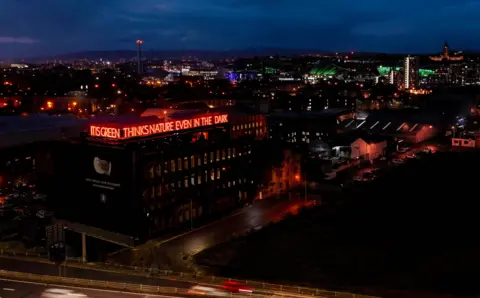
56, 27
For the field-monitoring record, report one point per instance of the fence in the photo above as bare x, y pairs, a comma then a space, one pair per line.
194, 278
95, 284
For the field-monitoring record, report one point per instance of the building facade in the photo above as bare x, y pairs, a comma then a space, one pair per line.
145, 175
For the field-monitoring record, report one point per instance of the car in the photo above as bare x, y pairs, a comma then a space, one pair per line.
236, 287
357, 178
39, 196
398, 161
410, 156
207, 291
54, 293
368, 175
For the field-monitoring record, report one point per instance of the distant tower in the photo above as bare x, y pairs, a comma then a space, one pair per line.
139, 56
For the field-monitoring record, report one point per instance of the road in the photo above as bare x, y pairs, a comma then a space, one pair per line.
175, 254
46, 268
10, 289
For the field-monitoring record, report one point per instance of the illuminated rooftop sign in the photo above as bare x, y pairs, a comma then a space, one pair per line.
144, 130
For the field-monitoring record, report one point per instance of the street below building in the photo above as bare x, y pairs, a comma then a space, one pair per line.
175, 254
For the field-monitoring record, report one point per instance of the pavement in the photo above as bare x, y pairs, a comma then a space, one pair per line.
176, 253
45, 268
14, 289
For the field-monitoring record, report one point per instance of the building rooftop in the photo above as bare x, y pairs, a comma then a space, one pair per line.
328, 70
311, 114
21, 130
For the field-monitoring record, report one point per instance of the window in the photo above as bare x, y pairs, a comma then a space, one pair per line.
229, 152
150, 173
199, 179
205, 158
199, 160
212, 155
185, 181
234, 152
223, 154
158, 170
179, 164
218, 173
159, 190
212, 174
192, 161
172, 165
192, 179
185, 163
218, 155
152, 191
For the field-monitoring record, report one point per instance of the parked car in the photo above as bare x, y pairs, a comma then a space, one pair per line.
398, 161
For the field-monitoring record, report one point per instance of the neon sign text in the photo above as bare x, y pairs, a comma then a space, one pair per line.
156, 128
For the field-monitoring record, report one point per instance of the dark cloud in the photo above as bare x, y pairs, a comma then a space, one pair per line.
31, 27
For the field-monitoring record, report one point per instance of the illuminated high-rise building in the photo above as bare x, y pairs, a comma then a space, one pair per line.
139, 56
410, 70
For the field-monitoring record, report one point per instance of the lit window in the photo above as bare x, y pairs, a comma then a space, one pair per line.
151, 172
229, 152
218, 155
212, 155
185, 181
172, 166
192, 161
185, 163
223, 154
212, 174
205, 158
199, 160
158, 170
179, 164
218, 173
199, 179
234, 152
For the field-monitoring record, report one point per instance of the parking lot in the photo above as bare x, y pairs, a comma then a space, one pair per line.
21, 211
364, 172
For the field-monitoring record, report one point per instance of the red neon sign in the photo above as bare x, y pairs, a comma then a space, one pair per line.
156, 128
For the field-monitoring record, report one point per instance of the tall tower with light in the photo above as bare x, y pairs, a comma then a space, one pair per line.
139, 56
410, 71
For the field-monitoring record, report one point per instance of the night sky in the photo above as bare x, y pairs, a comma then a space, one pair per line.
38, 27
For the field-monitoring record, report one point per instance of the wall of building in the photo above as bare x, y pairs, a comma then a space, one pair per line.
368, 151
283, 177
470, 143
427, 132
